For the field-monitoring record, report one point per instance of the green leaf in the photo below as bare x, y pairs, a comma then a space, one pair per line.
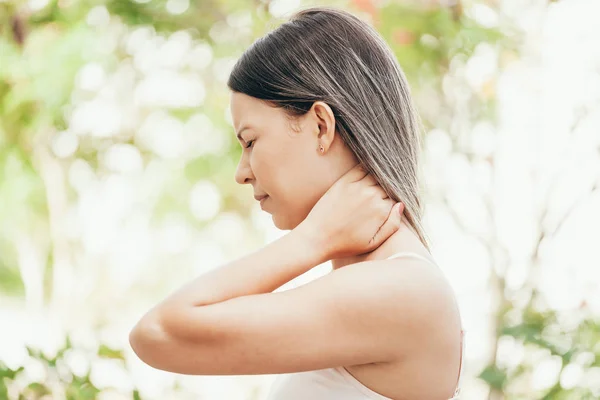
494, 377
37, 390
106, 352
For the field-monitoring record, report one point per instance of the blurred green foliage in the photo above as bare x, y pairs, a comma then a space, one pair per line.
41, 53
59, 374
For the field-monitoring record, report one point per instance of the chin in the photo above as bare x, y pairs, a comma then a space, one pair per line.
284, 224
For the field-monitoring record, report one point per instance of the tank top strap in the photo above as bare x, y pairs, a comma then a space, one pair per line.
410, 254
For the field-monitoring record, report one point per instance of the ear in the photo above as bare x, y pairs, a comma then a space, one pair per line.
325, 121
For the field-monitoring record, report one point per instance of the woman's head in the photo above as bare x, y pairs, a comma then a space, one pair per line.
324, 79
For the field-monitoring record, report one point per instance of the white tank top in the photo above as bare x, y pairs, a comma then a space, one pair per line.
337, 383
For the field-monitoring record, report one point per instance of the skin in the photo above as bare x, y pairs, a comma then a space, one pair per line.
283, 151
393, 324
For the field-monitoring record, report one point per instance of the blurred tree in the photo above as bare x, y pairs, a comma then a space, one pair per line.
44, 46
428, 40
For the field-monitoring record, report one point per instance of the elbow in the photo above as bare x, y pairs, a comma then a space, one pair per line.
158, 341
148, 341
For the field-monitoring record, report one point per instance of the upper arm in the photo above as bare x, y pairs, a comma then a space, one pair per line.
362, 313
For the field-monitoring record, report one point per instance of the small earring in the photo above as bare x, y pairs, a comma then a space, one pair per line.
321, 148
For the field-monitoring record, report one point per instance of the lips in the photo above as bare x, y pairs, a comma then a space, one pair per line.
259, 198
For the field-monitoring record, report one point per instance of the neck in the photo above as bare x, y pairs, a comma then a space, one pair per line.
404, 239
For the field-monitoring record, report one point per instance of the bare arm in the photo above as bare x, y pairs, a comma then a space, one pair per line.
259, 272
373, 311
228, 321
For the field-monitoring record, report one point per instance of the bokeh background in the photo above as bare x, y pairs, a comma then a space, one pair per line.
117, 160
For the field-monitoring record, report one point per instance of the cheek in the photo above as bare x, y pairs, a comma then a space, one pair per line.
295, 180
303, 187
264, 169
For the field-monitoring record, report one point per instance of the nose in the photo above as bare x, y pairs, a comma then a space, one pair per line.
243, 173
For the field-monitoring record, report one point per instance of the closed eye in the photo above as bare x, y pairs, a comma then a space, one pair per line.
249, 144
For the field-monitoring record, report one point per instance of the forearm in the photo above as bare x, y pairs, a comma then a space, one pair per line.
260, 272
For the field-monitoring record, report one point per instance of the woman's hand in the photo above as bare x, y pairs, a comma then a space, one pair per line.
353, 217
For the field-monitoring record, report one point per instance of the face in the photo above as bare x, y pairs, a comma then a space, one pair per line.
281, 157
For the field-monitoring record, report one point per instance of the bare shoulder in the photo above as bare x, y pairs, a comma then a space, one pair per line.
424, 329
371, 312
414, 295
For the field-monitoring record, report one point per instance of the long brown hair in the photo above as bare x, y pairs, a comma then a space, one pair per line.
330, 55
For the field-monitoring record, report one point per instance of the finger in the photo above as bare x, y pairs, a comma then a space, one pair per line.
377, 192
369, 180
385, 208
384, 195
355, 173
374, 193
391, 225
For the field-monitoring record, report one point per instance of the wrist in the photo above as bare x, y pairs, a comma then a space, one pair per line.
311, 242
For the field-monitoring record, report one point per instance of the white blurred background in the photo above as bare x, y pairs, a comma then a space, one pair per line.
117, 157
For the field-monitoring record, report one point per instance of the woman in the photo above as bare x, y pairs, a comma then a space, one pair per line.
331, 145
